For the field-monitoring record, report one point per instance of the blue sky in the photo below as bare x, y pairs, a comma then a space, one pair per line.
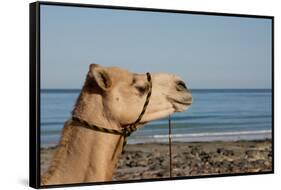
206, 51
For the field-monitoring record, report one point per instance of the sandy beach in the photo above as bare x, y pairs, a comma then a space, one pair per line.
147, 161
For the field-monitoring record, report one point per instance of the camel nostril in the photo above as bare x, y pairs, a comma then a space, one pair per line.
181, 85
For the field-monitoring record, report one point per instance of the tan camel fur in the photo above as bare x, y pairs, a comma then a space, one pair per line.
111, 98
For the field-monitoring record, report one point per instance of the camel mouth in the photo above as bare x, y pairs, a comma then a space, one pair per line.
180, 105
186, 103
181, 102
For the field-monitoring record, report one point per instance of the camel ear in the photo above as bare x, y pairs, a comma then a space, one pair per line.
101, 76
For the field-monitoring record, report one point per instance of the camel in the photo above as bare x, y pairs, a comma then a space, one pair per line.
111, 98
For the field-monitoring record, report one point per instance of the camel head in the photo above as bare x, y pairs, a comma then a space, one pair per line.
123, 94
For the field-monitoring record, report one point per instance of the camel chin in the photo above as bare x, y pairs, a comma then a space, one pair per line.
181, 106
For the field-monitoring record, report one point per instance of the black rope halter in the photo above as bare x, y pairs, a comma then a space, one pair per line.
128, 129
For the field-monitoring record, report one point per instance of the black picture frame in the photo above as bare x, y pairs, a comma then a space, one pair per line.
34, 93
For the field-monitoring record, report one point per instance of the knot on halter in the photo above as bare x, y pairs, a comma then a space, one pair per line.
128, 129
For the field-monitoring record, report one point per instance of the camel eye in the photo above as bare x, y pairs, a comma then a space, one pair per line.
141, 89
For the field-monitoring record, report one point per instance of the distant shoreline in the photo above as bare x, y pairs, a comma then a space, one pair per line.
192, 138
210, 137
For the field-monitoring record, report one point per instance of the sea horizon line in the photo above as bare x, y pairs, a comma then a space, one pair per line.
192, 89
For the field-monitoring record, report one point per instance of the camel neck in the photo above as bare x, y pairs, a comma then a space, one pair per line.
84, 155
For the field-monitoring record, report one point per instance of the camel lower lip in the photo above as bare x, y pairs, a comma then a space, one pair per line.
186, 103
183, 103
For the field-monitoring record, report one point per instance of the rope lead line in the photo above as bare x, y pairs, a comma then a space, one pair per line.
170, 145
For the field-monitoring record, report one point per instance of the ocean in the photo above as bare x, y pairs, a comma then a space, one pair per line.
223, 115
